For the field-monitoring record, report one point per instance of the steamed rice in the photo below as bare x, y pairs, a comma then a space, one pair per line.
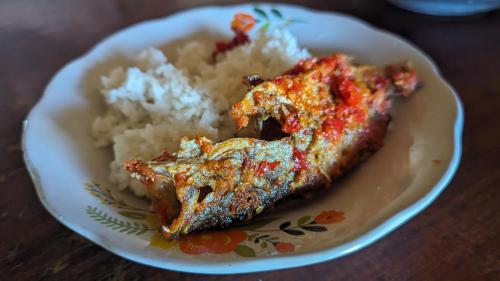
154, 103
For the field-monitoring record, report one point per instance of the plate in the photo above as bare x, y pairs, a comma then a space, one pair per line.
420, 155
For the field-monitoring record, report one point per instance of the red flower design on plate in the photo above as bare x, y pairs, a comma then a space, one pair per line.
284, 247
329, 217
211, 242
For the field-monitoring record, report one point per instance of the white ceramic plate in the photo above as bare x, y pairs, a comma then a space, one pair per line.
421, 153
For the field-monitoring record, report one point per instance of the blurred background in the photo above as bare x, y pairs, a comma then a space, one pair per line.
447, 7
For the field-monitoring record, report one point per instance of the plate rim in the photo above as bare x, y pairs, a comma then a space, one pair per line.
272, 262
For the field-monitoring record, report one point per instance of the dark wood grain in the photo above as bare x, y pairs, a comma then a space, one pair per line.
456, 238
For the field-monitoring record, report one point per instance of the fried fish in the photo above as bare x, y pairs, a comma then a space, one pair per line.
316, 121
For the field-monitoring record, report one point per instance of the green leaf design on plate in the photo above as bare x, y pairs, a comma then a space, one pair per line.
106, 197
260, 12
276, 13
263, 237
314, 228
265, 26
115, 224
245, 251
132, 215
303, 220
284, 225
293, 232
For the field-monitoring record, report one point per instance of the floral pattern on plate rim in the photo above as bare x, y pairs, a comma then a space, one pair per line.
272, 15
246, 239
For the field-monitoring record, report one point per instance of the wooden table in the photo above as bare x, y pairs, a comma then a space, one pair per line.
456, 238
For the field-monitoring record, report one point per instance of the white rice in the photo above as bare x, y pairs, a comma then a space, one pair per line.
154, 103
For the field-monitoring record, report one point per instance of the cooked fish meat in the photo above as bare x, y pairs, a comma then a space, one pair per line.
316, 121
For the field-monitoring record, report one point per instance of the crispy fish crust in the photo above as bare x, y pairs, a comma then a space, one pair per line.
331, 115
